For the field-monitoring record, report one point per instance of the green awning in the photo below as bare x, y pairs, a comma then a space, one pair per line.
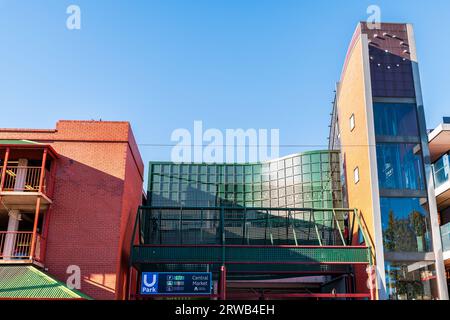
21, 142
27, 282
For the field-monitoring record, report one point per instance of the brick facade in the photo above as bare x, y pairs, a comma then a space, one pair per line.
98, 187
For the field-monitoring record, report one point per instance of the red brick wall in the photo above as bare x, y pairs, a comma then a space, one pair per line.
133, 190
98, 187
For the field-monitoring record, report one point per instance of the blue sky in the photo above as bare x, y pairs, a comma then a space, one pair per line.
232, 64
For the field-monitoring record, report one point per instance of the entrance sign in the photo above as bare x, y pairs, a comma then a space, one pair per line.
176, 283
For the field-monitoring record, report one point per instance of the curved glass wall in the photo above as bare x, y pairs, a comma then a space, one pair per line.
306, 180
185, 199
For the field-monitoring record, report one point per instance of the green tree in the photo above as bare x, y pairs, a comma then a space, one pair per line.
389, 233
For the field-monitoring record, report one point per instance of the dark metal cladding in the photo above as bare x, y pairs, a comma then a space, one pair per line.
390, 61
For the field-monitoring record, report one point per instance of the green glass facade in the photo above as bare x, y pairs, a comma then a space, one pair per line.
306, 180
201, 216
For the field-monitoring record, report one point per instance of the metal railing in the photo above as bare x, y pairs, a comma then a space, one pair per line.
24, 179
445, 235
241, 236
15, 245
250, 226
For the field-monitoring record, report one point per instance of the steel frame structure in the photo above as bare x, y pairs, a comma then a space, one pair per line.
223, 255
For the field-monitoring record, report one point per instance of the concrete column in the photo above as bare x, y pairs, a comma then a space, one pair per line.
10, 239
21, 175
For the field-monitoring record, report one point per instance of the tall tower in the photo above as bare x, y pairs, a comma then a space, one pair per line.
379, 125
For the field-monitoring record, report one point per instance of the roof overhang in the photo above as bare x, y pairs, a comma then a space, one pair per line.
31, 145
439, 141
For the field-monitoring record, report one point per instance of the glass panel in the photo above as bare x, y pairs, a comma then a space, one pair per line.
325, 157
395, 119
399, 167
411, 281
306, 159
441, 170
315, 158
288, 162
445, 235
229, 184
405, 225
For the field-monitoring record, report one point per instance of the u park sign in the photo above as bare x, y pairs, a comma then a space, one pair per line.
176, 283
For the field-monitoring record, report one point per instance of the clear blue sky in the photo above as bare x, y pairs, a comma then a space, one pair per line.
233, 64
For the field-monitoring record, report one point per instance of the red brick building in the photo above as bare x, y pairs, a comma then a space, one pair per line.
69, 197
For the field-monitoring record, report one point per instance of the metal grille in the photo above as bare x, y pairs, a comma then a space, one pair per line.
249, 255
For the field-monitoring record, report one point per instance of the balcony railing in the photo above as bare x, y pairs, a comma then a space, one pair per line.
24, 179
445, 234
442, 170
15, 245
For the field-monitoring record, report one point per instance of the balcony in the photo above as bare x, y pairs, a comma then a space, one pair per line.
27, 171
22, 185
15, 247
441, 170
27, 174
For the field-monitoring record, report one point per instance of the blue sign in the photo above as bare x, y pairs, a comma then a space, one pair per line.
173, 283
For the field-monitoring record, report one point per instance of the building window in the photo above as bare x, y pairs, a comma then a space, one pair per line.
411, 281
399, 167
356, 175
441, 169
395, 119
405, 224
352, 122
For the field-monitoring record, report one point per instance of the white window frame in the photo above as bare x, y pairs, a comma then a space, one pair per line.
352, 122
356, 175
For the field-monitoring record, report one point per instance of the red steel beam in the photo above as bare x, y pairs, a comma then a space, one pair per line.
38, 205
304, 295
253, 262
247, 246
5, 164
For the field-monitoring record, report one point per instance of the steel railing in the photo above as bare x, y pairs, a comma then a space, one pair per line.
25, 179
257, 226
15, 245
